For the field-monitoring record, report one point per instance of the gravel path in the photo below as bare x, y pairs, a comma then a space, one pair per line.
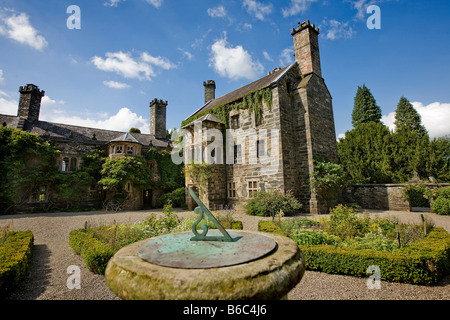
52, 256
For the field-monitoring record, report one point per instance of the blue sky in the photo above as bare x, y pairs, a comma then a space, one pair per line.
129, 52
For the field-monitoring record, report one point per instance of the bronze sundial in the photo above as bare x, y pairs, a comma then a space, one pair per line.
206, 249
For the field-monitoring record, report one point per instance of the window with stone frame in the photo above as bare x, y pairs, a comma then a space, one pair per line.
65, 164
235, 122
118, 149
237, 154
130, 150
73, 164
39, 194
232, 192
252, 188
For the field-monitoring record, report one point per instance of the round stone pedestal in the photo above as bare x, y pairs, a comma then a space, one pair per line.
268, 278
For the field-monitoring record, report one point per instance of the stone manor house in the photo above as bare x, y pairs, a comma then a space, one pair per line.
300, 108
296, 102
75, 141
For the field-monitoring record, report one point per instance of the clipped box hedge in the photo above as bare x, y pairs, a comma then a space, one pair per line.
15, 256
95, 253
424, 262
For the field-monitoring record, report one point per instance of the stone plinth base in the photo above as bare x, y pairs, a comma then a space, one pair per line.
269, 278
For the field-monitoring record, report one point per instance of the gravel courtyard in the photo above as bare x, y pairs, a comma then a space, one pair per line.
52, 256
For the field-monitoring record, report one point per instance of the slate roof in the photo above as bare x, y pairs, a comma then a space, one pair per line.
70, 133
262, 83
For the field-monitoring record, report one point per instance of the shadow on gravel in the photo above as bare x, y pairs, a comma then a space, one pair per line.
37, 279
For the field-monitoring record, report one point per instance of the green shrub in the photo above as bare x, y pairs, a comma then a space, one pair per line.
415, 194
424, 262
270, 227
376, 241
313, 237
177, 197
345, 223
262, 204
15, 255
441, 206
95, 253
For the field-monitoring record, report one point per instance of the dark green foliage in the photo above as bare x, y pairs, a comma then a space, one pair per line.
365, 154
176, 197
134, 130
365, 109
327, 180
441, 204
15, 255
25, 161
117, 172
171, 175
415, 194
408, 117
372, 154
264, 202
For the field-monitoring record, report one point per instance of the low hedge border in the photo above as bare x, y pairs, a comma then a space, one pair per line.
424, 263
96, 254
15, 256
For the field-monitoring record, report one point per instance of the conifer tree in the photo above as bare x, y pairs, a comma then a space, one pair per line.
365, 109
408, 117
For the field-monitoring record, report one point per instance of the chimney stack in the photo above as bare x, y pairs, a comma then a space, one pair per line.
158, 118
306, 47
210, 90
30, 103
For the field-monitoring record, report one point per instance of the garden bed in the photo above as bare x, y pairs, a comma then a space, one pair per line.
97, 245
15, 255
415, 259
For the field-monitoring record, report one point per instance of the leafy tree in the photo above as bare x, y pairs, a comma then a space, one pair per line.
327, 180
365, 109
408, 117
364, 154
117, 172
171, 175
134, 130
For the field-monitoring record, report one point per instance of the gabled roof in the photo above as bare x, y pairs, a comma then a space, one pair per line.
206, 117
127, 137
262, 83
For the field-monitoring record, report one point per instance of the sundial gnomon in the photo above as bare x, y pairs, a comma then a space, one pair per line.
207, 249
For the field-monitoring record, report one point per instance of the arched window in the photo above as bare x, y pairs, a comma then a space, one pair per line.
130, 150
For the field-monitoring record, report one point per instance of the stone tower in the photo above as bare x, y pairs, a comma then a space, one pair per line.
210, 90
158, 118
306, 47
30, 103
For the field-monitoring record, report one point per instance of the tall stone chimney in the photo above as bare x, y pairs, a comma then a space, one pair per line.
30, 103
306, 47
158, 118
210, 90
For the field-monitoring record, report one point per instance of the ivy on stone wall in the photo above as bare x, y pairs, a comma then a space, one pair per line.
171, 175
252, 101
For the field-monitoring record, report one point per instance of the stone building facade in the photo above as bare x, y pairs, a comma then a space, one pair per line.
74, 141
296, 127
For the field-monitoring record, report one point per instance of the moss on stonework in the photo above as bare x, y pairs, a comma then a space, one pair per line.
251, 101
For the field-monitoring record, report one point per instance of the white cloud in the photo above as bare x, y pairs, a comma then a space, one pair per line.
258, 9
17, 27
125, 65
233, 62
158, 61
336, 30
435, 118
218, 12
296, 7
287, 57
361, 7
267, 56
116, 85
187, 54
113, 3
7, 105
155, 3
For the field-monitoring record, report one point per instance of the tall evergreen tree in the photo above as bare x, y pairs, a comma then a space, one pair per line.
365, 109
408, 117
